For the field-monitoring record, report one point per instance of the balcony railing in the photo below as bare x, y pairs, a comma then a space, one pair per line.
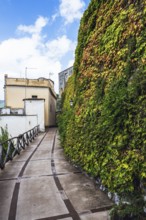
13, 146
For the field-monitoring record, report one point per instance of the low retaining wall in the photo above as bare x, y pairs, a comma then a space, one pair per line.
18, 124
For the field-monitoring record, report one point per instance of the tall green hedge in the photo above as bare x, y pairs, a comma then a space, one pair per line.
105, 131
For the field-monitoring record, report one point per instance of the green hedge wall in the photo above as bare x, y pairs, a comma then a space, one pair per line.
105, 131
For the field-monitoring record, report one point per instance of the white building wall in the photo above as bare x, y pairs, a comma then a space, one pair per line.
18, 124
36, 107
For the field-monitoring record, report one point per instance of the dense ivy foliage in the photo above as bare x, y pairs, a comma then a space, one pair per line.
4, 136
105, 131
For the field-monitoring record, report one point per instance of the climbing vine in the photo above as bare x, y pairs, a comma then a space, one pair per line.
105, 131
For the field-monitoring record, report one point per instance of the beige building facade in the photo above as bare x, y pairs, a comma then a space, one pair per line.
18, 89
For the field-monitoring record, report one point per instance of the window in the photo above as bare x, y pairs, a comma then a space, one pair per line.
34, 96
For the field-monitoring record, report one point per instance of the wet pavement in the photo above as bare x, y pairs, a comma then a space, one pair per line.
41, 184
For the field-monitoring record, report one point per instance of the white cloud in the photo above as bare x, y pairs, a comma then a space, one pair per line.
33, 51
63, 43
71, 10
36, 28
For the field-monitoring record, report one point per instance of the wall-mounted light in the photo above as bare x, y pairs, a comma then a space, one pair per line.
71, 103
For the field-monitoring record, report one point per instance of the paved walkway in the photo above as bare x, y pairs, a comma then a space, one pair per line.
41, 184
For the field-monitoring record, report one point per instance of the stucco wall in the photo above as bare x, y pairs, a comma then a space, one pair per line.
15, 96
17, 89
41, 82
36, 107
18, 124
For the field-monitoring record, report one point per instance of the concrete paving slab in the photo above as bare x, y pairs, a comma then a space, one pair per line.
42, 154
6, 191
39, 198
47, 141
11, 170
44, 146
24, 155
37, 139
82, 192
59, 154
31, 147
64, 167
96, 216
38, 167
42, 196
66, 219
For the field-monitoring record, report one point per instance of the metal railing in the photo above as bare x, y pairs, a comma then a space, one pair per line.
13, 146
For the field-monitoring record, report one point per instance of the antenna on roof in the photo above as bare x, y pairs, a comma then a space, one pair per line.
28, 68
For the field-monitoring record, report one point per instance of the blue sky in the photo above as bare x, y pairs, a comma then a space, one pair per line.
39, 34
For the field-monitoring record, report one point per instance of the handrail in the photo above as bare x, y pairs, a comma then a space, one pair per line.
13, 146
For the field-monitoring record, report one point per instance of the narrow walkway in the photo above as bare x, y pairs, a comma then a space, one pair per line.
40, 184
